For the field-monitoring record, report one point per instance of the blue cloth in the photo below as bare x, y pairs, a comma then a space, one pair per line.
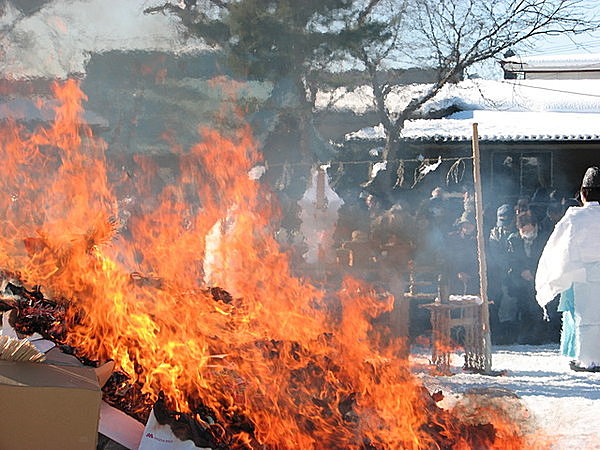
568, 333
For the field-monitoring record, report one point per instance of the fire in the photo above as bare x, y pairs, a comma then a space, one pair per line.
136, 258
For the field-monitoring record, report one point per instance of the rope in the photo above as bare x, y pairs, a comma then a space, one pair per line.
367, 161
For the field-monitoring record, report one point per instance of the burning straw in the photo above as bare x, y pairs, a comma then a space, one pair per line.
211, 323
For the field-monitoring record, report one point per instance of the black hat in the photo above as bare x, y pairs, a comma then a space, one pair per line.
591, 179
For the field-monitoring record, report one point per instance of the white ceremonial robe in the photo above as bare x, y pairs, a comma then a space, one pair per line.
571, 257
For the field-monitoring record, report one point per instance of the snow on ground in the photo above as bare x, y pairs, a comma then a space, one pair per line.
564, 404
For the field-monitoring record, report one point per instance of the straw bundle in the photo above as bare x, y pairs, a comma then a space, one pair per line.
12, 349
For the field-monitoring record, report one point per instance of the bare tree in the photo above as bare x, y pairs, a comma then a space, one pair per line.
287, 42
451, 37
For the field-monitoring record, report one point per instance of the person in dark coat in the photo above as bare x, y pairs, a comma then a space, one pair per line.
505, 226
437, 210
524, 249
497, 264
460, 259
554, 212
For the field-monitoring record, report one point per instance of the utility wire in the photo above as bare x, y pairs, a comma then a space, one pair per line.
565, 47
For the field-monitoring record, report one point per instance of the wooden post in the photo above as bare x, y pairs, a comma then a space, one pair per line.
321, 200
321, 206
486, 335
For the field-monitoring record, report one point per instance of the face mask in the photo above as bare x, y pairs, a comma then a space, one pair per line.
529, 235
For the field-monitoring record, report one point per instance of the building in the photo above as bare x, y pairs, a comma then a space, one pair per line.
534, 135
558, 67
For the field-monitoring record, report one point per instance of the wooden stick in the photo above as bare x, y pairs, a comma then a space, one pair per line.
485, 313
321, 200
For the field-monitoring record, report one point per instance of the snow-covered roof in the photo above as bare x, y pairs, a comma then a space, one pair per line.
496, 126
506, 110
478, 94
554, 63
508, 126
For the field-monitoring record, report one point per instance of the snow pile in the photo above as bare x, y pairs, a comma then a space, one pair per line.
359, 100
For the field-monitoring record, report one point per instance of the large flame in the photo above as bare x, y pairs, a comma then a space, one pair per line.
135, 256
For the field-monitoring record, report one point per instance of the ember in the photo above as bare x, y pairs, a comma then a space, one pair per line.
264, 360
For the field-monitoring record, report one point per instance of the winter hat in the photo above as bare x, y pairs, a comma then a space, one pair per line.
504, 215
591, 179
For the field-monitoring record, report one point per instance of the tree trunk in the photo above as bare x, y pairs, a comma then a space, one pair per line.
292, 140
392, 139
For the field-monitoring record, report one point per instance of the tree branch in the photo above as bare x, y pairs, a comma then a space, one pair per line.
365, 12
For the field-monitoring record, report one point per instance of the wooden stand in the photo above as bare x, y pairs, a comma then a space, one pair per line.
446, 316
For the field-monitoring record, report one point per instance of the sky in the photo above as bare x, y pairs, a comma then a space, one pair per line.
561, 45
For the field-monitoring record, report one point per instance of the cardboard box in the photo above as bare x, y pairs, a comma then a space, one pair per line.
48, 406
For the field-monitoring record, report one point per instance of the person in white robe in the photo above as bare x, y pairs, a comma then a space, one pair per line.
570, 266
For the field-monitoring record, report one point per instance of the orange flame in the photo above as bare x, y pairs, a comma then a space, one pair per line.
306, 367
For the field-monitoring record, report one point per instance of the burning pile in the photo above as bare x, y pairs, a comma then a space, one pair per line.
263, 361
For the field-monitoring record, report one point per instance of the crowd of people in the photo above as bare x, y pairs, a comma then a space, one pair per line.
439, 233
